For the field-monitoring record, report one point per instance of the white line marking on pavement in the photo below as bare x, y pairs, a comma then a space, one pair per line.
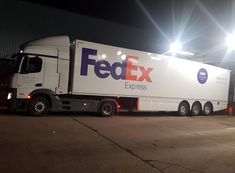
231, 128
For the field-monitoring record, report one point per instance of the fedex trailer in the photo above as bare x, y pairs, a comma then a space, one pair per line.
52, 74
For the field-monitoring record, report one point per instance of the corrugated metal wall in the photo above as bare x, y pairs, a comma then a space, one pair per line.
22, 21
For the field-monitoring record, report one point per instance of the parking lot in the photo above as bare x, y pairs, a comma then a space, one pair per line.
124, 143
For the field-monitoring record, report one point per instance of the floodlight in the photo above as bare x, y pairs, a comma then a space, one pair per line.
230, 41
175, 47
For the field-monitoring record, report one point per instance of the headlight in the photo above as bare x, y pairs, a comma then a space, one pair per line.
9, 96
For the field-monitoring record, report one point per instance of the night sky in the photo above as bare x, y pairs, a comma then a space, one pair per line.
129, 12
199, 24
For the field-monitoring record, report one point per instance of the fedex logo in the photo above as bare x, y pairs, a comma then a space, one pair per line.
104, 69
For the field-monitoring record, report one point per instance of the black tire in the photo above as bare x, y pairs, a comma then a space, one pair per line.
196, 109
107, 109
38, 106
183, 109
208, 109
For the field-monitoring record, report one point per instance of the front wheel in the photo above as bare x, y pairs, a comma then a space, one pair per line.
107, 109
38, 106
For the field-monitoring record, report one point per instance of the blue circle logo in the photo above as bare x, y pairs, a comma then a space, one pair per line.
202, 76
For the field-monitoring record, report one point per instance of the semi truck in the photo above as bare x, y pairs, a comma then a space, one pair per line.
53, 74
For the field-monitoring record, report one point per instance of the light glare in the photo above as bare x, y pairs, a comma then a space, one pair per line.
123, 57
175, 47
103, 56
119, 52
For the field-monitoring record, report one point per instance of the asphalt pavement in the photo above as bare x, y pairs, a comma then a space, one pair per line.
124, 143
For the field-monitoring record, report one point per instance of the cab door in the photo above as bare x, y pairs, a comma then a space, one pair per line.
51, 75
30, 76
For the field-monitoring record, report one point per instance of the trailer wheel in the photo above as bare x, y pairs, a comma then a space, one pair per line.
183, 108
196, 108
38, 106
107, 109
208, 109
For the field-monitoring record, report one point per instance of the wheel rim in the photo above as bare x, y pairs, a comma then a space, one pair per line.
107, 109
195, 110
207, 110
39, 107
183, 109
